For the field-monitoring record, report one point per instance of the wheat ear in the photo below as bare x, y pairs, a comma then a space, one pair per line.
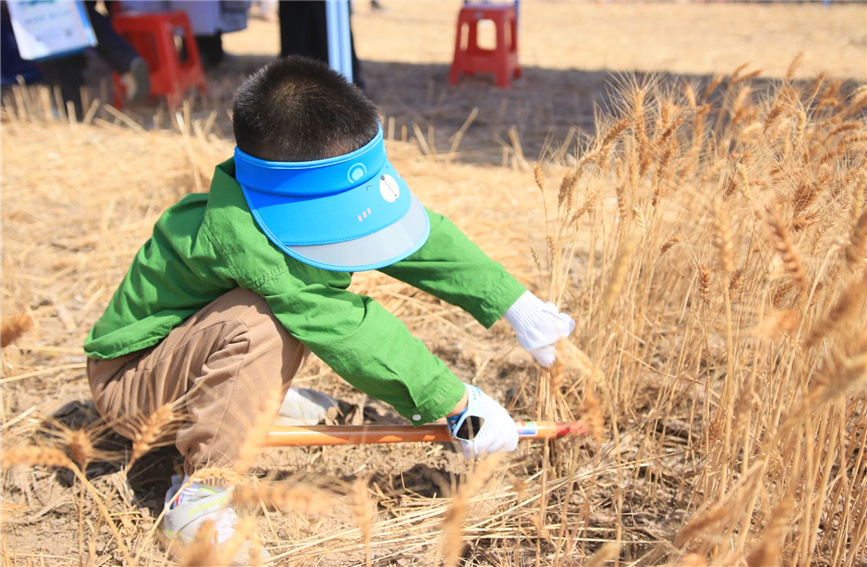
784, 247
13, 327
35, 455
672, 240
700, 523
723, 237
609, 551
844, 308
704, 283
153, 429
539, 177
80, 447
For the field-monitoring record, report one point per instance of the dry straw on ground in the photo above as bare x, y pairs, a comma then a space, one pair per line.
709, 243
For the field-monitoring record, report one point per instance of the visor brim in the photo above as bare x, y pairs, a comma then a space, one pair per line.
373, 251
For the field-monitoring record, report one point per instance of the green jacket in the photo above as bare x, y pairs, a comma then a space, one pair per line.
208, 244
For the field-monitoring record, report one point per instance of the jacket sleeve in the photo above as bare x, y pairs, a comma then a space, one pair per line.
366, 345
453, 268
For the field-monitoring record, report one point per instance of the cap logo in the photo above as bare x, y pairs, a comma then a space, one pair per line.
356, 172
389, 188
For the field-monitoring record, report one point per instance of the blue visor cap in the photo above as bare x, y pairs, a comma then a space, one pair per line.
349, 213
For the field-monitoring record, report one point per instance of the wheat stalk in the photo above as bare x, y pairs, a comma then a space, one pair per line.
859, 195
769, 549
258, 432
284, 496
618, 272
856, 251
228, 551
363, 514
451, 540
201, 552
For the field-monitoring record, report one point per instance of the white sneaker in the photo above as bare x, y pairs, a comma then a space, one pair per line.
188, 509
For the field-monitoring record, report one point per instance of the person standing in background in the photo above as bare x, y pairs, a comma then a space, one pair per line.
66, 73
304, 32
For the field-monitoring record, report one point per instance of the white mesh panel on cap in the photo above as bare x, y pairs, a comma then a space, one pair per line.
389, 245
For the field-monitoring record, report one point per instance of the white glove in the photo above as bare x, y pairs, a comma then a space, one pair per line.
483, 427
538, 326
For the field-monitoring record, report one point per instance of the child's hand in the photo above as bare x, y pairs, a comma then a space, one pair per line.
483, 427
538, 326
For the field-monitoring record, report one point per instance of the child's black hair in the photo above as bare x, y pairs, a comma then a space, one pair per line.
298, 109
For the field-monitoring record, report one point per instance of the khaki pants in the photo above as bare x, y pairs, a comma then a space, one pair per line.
216, 367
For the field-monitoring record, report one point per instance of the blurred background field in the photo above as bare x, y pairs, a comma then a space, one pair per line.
569, 51
686, 179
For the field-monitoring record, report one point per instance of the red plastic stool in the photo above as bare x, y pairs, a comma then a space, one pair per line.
503, 59
165, 40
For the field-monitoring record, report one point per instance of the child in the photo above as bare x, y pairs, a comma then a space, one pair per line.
220, 303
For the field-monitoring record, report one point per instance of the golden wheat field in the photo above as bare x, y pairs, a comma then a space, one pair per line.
687, 180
